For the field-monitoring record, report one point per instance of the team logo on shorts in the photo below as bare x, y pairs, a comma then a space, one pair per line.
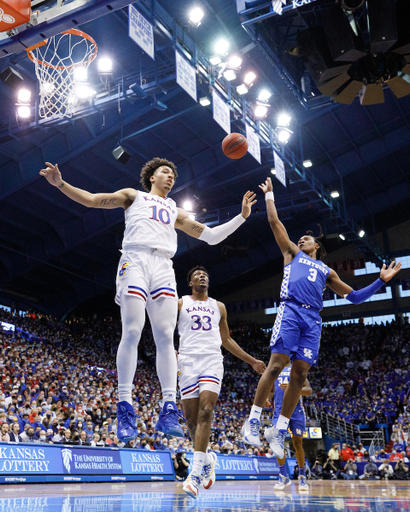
307, 353
123, 269
298, 432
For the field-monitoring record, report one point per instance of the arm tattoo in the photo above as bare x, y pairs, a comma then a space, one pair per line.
62, 185
106, 202
196, 228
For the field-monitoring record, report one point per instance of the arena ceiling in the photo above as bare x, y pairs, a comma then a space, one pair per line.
57, 255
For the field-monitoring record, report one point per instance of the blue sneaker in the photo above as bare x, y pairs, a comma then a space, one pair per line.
276, 440
126, 416
168, 420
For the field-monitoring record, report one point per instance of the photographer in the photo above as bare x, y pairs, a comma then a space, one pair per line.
330, 471
317, 471
370, 472
401, 471
350, 472
386, 471
181, 465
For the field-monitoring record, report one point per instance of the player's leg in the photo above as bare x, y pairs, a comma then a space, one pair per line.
190, 407
300, 457
298, 376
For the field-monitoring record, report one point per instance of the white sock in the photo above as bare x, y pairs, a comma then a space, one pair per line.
255, 413
197, 463
168, 397
208, 459
282, 423
124, 393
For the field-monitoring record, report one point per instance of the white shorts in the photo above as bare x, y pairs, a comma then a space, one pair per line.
200, 373
146, 276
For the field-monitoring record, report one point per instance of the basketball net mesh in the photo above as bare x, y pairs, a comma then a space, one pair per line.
56, 63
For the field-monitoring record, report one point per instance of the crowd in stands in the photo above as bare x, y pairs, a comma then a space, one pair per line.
58, 384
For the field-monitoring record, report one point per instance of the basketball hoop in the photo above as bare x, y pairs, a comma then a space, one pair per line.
56, 60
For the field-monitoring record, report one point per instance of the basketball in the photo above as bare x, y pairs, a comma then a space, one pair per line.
235, 146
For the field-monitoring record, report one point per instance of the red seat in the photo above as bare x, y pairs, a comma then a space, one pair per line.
14, 13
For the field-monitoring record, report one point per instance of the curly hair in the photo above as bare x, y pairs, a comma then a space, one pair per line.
150, 167
198, 267
321, 252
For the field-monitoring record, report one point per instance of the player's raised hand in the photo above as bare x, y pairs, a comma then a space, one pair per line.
387, 273
259, 366
267, 186
247, 202
52, 174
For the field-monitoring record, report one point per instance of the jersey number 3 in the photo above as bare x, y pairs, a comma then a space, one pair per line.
204, 323
313, 274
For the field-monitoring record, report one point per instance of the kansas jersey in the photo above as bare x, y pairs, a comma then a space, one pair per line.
150, 223
304, 281
198, 327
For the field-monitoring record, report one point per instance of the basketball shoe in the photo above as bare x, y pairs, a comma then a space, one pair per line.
168, 420
208, 472
284, 481
191, 485
126, 417
276, 440
250, 432
303, 486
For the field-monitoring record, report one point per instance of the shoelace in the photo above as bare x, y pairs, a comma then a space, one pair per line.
254, 424
128, 419
178, 413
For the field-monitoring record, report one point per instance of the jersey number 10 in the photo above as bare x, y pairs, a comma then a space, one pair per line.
160, 215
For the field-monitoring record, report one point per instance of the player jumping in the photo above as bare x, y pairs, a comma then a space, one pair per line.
146, 279
297, 328
203, 328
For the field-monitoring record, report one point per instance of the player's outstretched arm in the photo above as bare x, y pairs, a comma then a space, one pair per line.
120, 199
287, 247
232, 346
357, 297
215, 235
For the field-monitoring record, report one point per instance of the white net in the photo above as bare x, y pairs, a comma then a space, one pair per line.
61, 63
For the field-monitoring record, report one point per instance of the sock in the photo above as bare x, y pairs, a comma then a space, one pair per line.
124, 393
302, 471
282, 423
168, 397
197, 463
255, 413
208, 459
282, 470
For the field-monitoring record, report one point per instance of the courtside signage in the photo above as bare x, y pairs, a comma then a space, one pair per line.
146, 462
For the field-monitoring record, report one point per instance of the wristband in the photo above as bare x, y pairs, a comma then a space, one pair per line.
269, 195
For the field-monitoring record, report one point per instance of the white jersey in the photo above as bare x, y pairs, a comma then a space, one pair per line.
150, 223
198, 327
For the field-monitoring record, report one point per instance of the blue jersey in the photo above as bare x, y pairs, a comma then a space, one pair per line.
279, 394
304, 281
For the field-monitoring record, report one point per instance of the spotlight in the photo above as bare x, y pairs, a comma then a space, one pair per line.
283, 135
242, 89
260, 111
221, 46
334, 194
215, 60
83, 92
187, 206
195, 16
284, 119
362, 233
273, 171
47, 88
24, 95
205, 101
23, 111
264, 95
234, 62
249, 78
342, 237
307, 163
80, 74
104, 65
229, 75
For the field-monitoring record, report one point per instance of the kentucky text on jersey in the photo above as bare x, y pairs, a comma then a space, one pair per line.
200, 308
153, 199
315, 265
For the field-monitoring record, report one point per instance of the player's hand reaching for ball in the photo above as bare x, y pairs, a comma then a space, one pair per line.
259, 366
52, 174
247, 202
267, 186
387, 273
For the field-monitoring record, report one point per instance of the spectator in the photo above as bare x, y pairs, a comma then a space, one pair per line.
401, 471
386, 470
346, 453
330, 471
97, 441
395, 456
131, 444
14, 433
181, 464
350, 470
369, 472
317, 471
5, 433
28, 435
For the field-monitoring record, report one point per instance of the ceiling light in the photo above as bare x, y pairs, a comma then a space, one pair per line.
249, 78
47, 88
334, 194
195, 16
229, 75
221, 46
242, 89
362, 233
307, 163
264, 95
215, 60
104, 65
205, 101
80, 74
24, 95
192, 216
234, 62
284, 119
342, 237
273, 171
23, 111
83, 91
187, 206
260, 111
283, 135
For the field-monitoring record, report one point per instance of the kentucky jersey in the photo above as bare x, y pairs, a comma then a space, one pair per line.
198, 327
304, 281
283, 378
150, 223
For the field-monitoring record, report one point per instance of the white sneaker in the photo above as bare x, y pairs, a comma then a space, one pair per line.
191, 485
208, 472
283, 482
303, 486
250, 432
276, 440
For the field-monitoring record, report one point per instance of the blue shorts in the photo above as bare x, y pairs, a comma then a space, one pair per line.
296, 332
297, 423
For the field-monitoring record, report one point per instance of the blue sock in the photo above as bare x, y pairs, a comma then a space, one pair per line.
282, 470
302, 471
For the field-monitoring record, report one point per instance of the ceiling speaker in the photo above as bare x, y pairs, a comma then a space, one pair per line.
382, 25
121, 155
11, 77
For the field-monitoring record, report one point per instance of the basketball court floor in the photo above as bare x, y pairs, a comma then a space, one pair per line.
237, 496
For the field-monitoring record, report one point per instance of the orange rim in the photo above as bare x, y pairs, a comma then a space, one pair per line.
72, 31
